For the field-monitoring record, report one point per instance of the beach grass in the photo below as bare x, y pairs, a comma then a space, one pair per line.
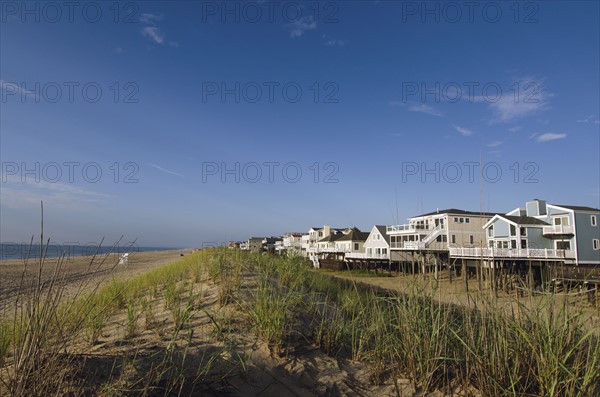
543, 350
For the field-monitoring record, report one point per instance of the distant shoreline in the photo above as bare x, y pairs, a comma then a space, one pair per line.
20, 251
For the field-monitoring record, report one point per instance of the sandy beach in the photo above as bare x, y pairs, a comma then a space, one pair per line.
78, 274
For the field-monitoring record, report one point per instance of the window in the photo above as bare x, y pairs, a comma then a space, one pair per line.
378, 251
439, 238
461, 220
596, 244
320, 234
355, 246
499, 244
369, 251
471, 239
524, 244
562, 220
593, 220
455, 219
444, 238
513, 244
523, 232
453, 238
563, 245
384, 251
467, 220
491, 231
491, 244
513, 230
505, 244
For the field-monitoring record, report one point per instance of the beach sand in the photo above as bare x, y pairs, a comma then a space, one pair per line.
78, 274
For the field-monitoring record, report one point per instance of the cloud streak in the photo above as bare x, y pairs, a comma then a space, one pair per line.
530, 98
547, 137
23, 193
154, 33
418, 108
297, 28
11, 87
158, 167
463, 131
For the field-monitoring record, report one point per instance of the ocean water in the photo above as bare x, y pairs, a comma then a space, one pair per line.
54, 250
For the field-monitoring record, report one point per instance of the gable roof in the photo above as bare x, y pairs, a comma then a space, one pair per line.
330, 238
524, 220
577, 208
383, 231
454, 211
257, 238
354, 236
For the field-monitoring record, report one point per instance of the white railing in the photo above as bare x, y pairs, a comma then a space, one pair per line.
414, 245
411, 227
433, 234
408, 245
401, 228
317, 250
558, 229
364, 255
539, 253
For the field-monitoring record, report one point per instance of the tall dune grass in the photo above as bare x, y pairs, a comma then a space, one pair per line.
546, 351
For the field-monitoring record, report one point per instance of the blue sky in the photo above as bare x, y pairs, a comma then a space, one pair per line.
389, 90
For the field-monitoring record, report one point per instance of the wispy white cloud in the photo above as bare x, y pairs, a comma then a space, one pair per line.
150, 19
494, 144
423, 108
12, 87
303, 24
586, 120
550, 136
331, 42
529, 99
23, 193
589, 119
463, 131
153, 33
515, 128
418, 107
165, 170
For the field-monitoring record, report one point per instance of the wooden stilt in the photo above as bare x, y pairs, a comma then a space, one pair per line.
464, 271
597, 300
478, 264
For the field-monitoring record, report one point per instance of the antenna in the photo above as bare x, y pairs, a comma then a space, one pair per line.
397, 214
481, 201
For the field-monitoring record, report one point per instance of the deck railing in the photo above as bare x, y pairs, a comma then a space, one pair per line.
364, 255
526, 253
558, 229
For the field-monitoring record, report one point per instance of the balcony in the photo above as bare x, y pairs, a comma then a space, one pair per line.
522, 253
364, 255
318, 250
414, 245
562, 230
406, 228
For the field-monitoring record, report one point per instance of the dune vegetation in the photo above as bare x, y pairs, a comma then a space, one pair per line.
201, 325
